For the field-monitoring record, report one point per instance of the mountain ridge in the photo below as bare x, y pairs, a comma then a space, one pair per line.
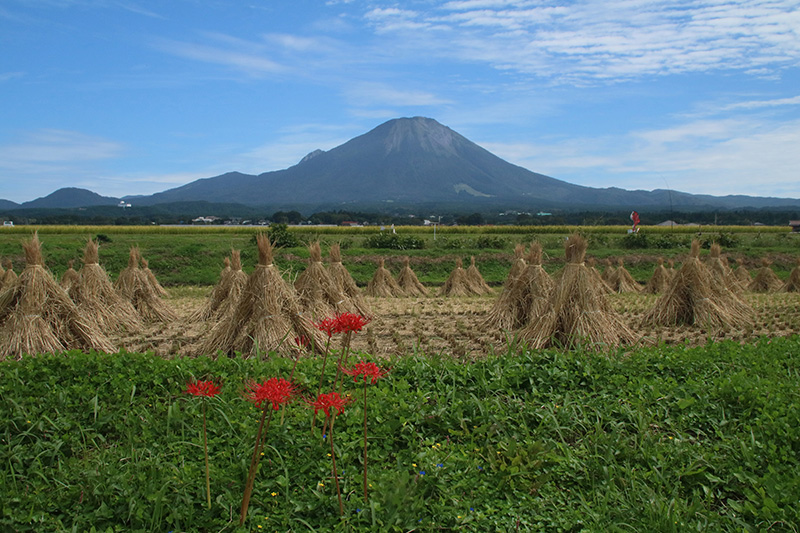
410, 162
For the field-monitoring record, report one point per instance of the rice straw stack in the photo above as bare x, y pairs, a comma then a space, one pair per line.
793, 282
693, 297
475, 279
720, 271
382, 284
408, 281
508, 311
765, 279
218, 294
577, 312
601, 285
741, 274
457, 283
267, 315
319, 294
70, 276
346, 283
37, 316
134, 286
536, 285
608, 273
659, 281
152, 281
621, 280
10, 276
96, 298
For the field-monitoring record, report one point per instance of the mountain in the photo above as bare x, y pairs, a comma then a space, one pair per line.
418, 161
8, 205
410, 163
69, 197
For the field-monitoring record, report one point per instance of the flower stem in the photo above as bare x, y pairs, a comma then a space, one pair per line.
251, 475
319, 388
342, 361
365, 438
335, 475
205, 449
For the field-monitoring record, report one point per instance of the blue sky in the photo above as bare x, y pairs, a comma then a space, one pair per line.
135, 97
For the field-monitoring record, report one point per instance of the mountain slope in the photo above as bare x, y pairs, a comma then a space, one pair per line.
415, 161
70, 197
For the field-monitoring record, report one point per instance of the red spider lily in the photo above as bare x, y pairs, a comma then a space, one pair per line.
208, 389
367, 370
350, 323
326, 402
204, 389
275, 390
329, 326
302, 342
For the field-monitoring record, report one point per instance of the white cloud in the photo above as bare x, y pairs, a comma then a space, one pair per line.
600, 40
700, 157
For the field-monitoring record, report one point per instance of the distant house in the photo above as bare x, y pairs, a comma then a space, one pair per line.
795, 225
8, 223
205, 220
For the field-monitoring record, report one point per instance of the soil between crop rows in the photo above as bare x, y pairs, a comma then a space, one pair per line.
453, 326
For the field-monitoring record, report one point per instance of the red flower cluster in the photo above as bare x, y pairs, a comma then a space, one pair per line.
342, 323
202, 388
275, 390
351, 322
326, 402
329, 326
367, 370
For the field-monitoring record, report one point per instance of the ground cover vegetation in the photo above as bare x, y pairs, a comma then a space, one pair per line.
656, 439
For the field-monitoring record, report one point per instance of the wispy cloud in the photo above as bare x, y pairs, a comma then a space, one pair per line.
599, 40
250, 58
55, 149
375, 93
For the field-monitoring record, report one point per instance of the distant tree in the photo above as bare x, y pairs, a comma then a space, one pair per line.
475, 219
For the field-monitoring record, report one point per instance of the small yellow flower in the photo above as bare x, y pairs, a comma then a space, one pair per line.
259, 526
274, 494
414, 465
262, 453
329, 455
320, 484
459, 516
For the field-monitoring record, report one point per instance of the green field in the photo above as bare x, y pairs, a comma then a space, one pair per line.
188, 255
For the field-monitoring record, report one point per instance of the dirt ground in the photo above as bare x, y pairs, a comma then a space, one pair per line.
452, 326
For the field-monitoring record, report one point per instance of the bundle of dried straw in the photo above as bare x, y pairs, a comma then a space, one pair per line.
346, 283
319, 294
408, 281
382, 284
96, 298
793, 282
457, 283
37, 316
577, 312
659, 281
475, 279
267, 315
134, 285
693, 297
621, 280
766, 280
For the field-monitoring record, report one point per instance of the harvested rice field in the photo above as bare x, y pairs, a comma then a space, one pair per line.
452, 325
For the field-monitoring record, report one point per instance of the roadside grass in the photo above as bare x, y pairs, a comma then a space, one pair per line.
656, 439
